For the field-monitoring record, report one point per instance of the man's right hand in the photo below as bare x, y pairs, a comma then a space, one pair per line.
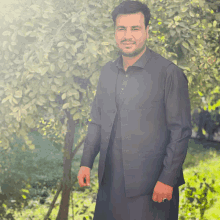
84, 172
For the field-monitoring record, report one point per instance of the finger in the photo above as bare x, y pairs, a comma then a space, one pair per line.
154, 197
88, 180
160, 199
169, 198
81, 181
84, 181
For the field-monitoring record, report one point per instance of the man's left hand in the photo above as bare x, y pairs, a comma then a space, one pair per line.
162, 191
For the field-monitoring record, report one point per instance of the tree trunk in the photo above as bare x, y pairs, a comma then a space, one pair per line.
60, 185
53, 202
67, 159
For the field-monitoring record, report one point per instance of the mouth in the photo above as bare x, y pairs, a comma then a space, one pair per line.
129, 44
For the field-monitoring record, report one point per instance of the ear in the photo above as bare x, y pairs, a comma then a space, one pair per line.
147, 29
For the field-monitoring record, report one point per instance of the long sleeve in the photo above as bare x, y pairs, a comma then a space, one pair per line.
178, 117
93, 138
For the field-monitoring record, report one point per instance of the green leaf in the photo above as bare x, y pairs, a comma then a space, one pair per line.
201, 3
58, 81
200, 93
18, 94
39, 103
76, 96
31, 147
66, 105
42, 99
65, 67
29, 24
25, 190
68, 74
78, 44
71, 37
61, 44
4, 44
29, 121
214, 23
13, 27
5, 99
77, 116
6, 133
76, 103
73, 111
6, 33
73, 19
52, 67
50, 110
44, 70
72, 50
72, 92
60, 64
43, 90
94, 78
185, 45
15, 101
10, 48
24, 197
76, 73
13, 37
25, 56
184, 9
172, 32
2, 83
63, 96
215, 90
36, 8
68, 56
192, 42
191, 14
52, 98
105, 43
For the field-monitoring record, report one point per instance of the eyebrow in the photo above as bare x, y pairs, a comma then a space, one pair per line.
124, 26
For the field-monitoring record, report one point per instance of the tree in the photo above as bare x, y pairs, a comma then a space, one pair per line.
51, 58
182, 30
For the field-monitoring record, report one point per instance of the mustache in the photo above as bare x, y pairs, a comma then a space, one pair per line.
125, 41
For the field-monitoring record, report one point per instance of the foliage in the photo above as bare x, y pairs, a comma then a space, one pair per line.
208, 169
25, 173
45, 54
186, 33
195, 201
51, 56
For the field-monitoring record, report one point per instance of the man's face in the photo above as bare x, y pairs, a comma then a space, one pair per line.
130, 30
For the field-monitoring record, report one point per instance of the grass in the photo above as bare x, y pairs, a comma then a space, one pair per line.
201, 156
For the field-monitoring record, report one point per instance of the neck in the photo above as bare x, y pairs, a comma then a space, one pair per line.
129, 61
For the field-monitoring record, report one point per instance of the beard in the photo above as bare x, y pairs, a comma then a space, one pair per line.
134, 53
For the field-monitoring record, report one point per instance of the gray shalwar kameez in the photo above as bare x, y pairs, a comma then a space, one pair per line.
111, 203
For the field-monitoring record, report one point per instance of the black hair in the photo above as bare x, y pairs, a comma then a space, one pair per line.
132, 7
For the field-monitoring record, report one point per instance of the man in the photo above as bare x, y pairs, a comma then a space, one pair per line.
141, 125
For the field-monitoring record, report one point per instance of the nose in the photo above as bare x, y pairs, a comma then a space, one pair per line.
128, 34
